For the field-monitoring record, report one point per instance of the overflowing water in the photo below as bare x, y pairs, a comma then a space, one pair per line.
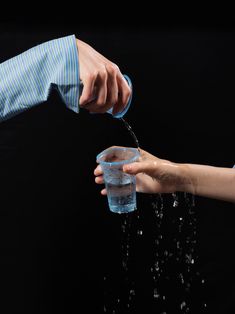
175, 281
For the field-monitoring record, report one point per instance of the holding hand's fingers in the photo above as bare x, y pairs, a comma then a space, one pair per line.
98, 171
103, 192
99, 175
99, 178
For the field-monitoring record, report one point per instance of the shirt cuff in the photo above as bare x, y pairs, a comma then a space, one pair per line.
68, 83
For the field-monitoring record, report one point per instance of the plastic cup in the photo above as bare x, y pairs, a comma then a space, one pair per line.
120, 186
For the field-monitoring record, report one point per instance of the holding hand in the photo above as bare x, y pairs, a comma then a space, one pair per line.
153, 175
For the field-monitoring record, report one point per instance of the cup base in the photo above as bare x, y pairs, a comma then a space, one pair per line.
122, 209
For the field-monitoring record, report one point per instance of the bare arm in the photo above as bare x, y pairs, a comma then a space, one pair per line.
155, 175
212, 182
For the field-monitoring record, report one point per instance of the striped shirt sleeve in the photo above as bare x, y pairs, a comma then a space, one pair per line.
27, 79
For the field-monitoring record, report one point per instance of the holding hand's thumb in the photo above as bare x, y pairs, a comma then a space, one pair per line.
138, 167
134, 168
130, 168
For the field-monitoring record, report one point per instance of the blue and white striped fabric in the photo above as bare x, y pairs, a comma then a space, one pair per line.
26, 80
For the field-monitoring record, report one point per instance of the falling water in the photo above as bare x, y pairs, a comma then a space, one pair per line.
174, 268
129, 128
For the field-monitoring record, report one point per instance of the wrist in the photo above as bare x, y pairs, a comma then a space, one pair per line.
186, 183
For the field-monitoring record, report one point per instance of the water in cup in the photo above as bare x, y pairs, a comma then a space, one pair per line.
121, 197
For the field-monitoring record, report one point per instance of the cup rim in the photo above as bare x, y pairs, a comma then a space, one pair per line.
116, 163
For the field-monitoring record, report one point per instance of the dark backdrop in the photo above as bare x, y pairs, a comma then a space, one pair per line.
58, 237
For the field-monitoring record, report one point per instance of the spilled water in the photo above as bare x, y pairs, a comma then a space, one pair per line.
175, 279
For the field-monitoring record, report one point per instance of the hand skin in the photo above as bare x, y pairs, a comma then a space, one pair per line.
104, 86
155, 175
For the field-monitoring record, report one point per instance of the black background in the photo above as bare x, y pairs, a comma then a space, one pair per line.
57, 235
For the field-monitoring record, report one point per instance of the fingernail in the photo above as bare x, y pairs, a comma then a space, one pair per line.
127, 168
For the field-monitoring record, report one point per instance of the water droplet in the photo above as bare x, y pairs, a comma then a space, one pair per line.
193, 200
124, 265
132, 292
175, 200
182, 305
156, 266
175, 204
154, 205
189, 259
156, 241
156, 295
187, 287
140, 232
181, 278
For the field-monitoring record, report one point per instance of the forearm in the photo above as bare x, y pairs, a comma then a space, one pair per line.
26, 80
208, 181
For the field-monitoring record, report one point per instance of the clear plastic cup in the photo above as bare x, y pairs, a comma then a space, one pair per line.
120, 186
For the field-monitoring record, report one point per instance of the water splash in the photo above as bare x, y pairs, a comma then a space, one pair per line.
175, 200
174, 268
175, 254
